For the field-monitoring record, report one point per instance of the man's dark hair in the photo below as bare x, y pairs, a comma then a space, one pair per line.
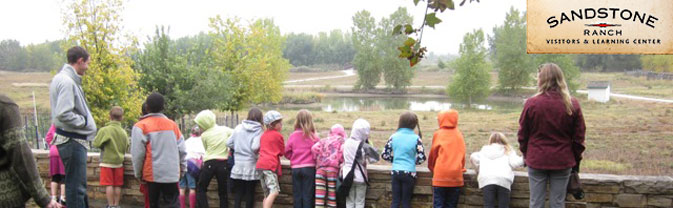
143, 109
155, 103
75, 53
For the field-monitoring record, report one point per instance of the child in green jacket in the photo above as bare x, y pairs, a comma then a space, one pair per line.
113, 142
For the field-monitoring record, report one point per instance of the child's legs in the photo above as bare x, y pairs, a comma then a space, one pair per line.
537, 182
320, 187
118, 194
297, 186
308, 187
438, 197
356, 196
271, 187
118, 182
445, 196
331, 188
268, 200
109, 194
490, 193
62, 191
54, 188
206, 174
397, 190
408, 183
503, 197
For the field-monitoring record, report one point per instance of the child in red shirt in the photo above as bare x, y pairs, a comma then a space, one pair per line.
271, 148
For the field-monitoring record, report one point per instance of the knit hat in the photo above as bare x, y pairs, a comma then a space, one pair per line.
272, 116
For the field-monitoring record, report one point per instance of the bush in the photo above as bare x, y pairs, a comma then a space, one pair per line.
302, 98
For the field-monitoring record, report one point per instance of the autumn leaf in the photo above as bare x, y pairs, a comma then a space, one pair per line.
431, 20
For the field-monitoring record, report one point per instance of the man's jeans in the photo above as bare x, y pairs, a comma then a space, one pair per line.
74, 159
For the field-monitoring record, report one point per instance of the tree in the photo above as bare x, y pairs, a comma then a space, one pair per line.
110, 81
608, 63
658, 63
367, 59
510, 57
396, 72
441, 64
299, 49
471, 82
567, 63
253, 57
165, 69
12, 55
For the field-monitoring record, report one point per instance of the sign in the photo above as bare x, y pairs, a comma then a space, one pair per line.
600, 26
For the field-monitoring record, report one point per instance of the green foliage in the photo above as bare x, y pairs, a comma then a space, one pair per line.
187, 85
509, 40
471, 81
334, 47
441, 64
253, 56
110, 81
566, 61
658, 63
45, 56
396, 72
608, 63
302, 98
366, 60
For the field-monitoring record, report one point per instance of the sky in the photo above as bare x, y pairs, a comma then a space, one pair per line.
36, 21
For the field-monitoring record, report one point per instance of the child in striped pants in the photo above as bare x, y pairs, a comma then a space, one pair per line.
329, 156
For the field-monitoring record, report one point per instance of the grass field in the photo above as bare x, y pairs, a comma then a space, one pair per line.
623, 136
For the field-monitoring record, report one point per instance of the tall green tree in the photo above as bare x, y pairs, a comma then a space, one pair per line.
13, 57
299, 49
185, 84
510, 57
471, 81
567, 63
397, 73
367, 60
658, 63
608, 63
110, 81
253, 56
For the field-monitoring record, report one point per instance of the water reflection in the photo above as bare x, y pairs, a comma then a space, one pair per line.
350, 104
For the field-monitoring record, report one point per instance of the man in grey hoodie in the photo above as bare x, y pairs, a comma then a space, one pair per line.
74, 124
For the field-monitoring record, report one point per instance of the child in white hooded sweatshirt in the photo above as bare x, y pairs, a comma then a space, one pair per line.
495, 162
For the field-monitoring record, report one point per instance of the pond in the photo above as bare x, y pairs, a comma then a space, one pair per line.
350, 104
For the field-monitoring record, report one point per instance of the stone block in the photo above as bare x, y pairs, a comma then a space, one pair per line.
660, 201
610, 188
596, 197
516, 203
423, 190
630, 200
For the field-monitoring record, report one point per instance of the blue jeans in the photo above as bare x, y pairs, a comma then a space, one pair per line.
74, 159
187, 182
303, 187
403, 188
445, 197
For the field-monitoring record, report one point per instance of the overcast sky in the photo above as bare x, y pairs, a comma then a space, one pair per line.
35, 21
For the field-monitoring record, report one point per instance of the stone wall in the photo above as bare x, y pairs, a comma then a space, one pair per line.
601, 190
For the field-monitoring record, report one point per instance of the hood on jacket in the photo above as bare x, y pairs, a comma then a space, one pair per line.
251, 126
448, 119
337, 131
493, 151
205, 119
360, 130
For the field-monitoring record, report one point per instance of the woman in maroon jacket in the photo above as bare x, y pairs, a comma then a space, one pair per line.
551, 137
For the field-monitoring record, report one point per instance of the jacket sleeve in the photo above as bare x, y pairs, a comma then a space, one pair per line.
524, 130
434, 150
579, 132
138, 150
420, 152
101, 138
230, 141
182, 151
288, 148
20, 157
371, 153
256, 142
65, 108
281, 145
387, 154
475, 159
515, 161
315, 149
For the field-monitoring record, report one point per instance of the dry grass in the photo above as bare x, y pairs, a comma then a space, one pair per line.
23, 95
626, 84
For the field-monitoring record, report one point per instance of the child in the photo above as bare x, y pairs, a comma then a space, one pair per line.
245, 142
358, 190
405, 150
195, 153
447, 160
113, 142
214, 138
158, 154
298, 151
329, 157
56, 169
271, 148
495, 162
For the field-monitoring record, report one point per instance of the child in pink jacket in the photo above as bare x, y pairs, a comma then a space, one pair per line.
329, 156
298, 151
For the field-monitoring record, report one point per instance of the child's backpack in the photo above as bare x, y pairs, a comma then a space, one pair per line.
194, 167
344, 184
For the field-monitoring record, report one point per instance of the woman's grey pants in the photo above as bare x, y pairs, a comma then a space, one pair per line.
558, 183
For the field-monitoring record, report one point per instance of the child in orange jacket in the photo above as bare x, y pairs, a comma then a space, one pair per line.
448, 152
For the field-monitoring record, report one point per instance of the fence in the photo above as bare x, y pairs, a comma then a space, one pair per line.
651, 75
36, 126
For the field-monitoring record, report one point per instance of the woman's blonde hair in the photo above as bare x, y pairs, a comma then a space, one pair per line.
499, 138
305, 123
551, 79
